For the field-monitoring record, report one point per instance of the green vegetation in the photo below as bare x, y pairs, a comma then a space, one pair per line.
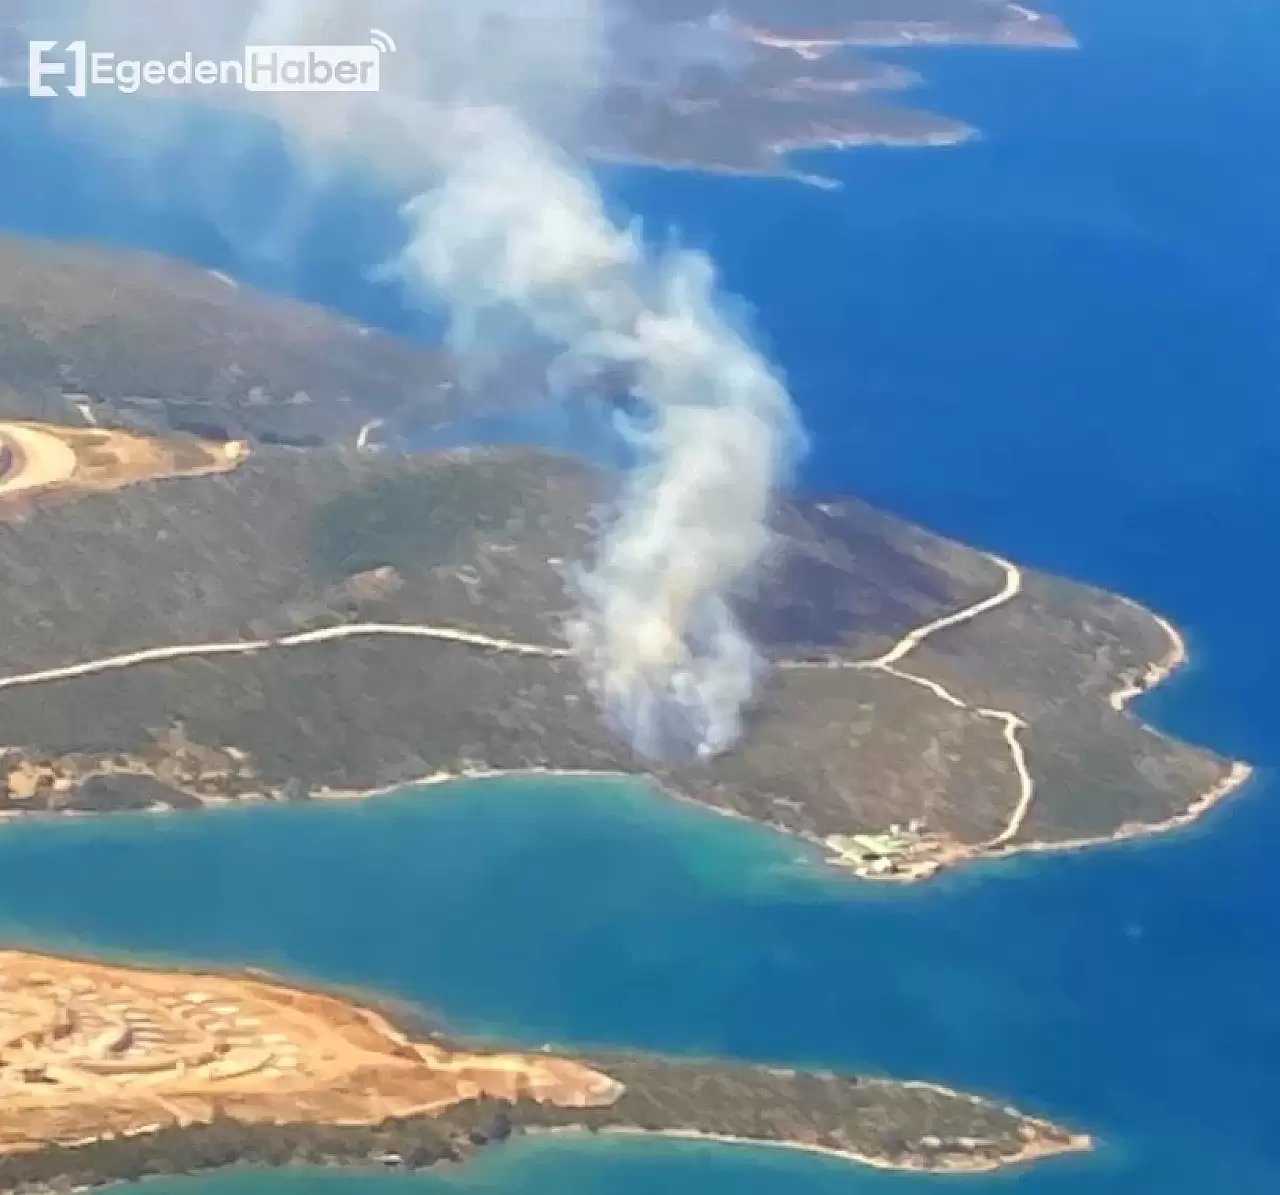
414, 520
477, 541
903, 1124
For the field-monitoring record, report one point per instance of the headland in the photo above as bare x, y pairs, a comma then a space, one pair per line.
111, 1074
928, 704
200, 611
738, 86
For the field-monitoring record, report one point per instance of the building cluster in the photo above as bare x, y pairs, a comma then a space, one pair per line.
901, 853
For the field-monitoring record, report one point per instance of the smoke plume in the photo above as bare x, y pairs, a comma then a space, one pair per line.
479, 116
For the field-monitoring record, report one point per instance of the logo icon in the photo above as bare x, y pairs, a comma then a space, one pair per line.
71, 69
41, 67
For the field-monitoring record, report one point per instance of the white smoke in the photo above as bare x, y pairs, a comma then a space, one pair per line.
478, 113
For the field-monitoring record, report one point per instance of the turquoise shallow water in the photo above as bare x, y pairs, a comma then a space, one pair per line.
593, 1168
1060, 342
1127, 991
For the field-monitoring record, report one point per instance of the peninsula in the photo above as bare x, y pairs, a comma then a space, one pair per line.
336, 622
201, 609
111, 1074
193, 619
738, 86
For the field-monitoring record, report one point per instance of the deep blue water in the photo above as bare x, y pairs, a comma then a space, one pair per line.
1061, 343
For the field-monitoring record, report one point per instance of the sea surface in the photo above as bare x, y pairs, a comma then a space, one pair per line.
1061, 343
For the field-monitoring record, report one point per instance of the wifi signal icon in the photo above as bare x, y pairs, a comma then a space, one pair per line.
384, 43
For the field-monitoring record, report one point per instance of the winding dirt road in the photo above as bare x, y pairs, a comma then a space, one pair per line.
884, 663
40, 459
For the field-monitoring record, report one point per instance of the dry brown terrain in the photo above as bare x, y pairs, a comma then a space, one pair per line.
38, 459
111, 1073
88, 1051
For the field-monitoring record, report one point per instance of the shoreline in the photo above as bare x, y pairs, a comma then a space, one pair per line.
952, 855
827, 859
382, 1164
1034, 1151
1051, 34
400, 1122
930, 859
1176, 656
1236, 777
955, 134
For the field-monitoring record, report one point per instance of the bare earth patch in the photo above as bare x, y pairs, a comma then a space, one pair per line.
110, 1073
43, 458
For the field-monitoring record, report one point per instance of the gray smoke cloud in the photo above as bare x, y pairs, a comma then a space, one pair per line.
478, 116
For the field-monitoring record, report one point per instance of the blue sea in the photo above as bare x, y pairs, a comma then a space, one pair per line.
1061, 342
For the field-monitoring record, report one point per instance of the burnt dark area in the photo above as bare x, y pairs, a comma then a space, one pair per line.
836, 575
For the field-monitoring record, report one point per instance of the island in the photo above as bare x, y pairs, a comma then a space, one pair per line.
112, 1074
